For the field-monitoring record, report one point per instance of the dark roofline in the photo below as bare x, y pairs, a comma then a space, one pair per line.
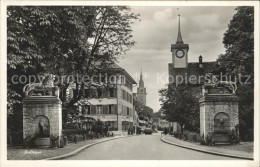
179, 46
123, 71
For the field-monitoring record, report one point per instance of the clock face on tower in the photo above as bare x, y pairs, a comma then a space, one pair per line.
179, 53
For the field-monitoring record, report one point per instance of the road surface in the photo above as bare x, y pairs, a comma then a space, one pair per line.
143, 147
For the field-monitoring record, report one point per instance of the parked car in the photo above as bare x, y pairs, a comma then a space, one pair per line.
148, 131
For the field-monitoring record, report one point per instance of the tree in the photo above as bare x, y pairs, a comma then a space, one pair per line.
179, 104
65, 41
239, 59
143, 112
239, 43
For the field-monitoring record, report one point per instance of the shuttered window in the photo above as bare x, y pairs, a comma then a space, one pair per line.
99, 109
111, 92
105, 109
93, 110
86, 110
111, 109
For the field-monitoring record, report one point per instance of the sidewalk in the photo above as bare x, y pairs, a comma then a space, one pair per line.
208, 149
20, 153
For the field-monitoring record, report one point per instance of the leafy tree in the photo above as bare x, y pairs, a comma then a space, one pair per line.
239, 43
239, 59
180, 105
144, 112
65, 41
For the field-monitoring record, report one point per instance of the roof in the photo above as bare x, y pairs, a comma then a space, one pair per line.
114, 68
193, 69
179, 46
117, 68
179, 38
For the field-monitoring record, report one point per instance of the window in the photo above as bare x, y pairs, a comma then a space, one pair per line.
128, 112
99, 109
111, 92
111, 109
99, 92
92, 92
124, 94
86, 110
131, 99
112, 79
86, 93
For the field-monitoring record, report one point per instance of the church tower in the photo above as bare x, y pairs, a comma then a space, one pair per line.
141, 91
179, 51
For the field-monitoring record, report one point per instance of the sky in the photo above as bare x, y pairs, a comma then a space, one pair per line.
202, 28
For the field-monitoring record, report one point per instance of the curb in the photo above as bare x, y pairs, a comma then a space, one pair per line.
206, 151
84, 147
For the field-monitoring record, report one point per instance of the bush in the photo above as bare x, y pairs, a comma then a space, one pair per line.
179, 136
175, 134
250, 136
187, 136
235, 138
210, 139
55, 141
193, 138
28, 142
184, 137
79, 134
62, 142
17, 137
201, 140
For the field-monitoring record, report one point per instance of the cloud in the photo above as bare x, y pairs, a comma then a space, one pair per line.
201, 27
165, 15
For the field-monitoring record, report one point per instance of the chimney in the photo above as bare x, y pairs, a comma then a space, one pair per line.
200, 62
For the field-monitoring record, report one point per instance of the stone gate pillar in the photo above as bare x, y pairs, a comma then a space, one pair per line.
42, 113
218, 113
42, 119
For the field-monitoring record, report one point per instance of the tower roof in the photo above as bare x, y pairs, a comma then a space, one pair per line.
179, 38
141, 75
141, 82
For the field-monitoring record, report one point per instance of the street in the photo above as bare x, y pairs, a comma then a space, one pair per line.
143, 147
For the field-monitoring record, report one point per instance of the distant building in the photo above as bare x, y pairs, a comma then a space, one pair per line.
141, 91
156, 122
113, 105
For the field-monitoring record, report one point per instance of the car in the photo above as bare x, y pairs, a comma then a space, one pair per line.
148, 131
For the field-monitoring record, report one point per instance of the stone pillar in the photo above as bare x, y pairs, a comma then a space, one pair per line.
42, 119
213, 104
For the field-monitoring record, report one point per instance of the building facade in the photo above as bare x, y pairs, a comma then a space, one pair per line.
113, 104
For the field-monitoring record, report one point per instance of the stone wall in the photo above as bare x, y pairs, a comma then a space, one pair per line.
45, 106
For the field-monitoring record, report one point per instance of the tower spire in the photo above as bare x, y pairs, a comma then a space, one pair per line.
141, 82
141, 75
179, 39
